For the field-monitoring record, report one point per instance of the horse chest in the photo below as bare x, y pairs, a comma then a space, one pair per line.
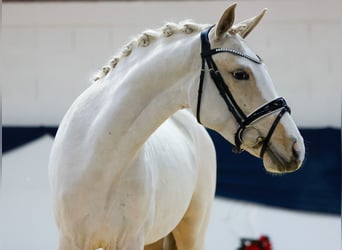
170, 162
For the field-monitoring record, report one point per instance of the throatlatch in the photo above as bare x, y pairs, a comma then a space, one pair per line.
278, 104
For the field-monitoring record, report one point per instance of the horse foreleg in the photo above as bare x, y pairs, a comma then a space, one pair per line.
155, 246
190, 232
167, 243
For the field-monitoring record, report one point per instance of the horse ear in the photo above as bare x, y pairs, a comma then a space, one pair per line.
226, 21
245, 27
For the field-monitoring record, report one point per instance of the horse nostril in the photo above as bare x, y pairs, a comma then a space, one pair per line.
296, 150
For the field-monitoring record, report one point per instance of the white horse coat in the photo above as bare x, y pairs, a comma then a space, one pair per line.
153, 192
130, 164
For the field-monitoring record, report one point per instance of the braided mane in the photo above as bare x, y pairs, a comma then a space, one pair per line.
145, 39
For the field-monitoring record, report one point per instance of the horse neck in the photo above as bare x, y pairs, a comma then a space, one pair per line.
154, 86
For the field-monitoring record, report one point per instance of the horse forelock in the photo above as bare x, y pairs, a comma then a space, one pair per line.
147, 38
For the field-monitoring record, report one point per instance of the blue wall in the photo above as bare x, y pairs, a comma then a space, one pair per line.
316, 186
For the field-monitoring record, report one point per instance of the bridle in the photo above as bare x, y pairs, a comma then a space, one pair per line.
244, 121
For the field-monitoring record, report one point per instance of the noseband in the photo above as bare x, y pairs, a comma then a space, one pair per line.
244, 121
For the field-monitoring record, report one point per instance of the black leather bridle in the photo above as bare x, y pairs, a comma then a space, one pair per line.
244, 121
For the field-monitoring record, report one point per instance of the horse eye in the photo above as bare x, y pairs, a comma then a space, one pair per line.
240, 75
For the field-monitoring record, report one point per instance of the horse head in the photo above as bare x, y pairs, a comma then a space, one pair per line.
236, 97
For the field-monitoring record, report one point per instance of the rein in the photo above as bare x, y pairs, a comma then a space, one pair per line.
244, 121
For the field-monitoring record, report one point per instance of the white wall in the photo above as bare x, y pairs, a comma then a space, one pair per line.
50, 50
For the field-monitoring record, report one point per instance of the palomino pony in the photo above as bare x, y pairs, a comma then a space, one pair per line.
131, 165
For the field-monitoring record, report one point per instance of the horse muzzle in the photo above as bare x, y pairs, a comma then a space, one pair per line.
276, 161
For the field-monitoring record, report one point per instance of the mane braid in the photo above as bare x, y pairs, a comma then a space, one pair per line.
147, 38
